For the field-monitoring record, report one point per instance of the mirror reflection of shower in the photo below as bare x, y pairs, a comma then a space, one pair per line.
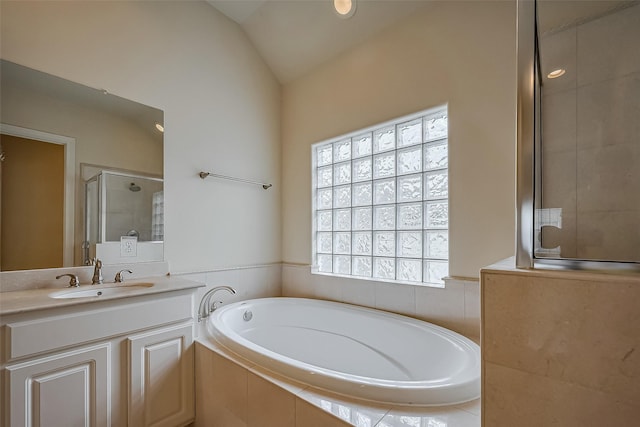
120, 208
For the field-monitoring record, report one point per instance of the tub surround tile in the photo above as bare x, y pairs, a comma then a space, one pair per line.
308, 415
255, 397
516, 398
403, 417
269, 405
560, 347
444, 306
354, 413
454, 306
397, 298
559, 121
230, 393
562, 329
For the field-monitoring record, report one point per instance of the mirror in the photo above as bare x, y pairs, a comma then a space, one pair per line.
81, 174
589, 95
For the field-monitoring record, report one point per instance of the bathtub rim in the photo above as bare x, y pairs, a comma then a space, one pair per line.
357, 387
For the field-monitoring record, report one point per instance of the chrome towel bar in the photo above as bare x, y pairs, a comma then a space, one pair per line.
204, 175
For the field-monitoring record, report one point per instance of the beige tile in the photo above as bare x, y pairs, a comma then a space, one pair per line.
609, 235
360, 292
516, 398
608, 48
296, 281
396, 297
358, 413
308, 415
269, 405
443, 306
569, 330
559, 50
229, 398
609, 178
204, 393
437, 416
607, 112
559, 180
472, 308
559, 122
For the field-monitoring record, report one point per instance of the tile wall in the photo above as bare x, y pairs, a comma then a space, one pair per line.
231, 392
591, 137
559, 348
456, 306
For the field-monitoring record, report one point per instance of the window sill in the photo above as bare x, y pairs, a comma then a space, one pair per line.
373, 279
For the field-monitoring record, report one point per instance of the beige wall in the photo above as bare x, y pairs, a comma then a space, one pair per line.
38, 170
221, 105
460, 53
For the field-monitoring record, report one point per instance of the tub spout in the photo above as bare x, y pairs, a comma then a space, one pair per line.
206, 307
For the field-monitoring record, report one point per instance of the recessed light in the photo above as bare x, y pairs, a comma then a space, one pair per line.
556, 73
345, 8
159, 127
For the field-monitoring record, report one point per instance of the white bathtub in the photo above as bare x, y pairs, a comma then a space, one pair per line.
364, 353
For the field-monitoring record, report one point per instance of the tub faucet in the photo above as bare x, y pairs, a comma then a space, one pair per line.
206, 306
97, 273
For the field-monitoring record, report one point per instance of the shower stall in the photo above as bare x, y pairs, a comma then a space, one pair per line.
123, 209
579, 135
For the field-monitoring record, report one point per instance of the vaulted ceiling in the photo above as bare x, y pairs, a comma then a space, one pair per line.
296, 36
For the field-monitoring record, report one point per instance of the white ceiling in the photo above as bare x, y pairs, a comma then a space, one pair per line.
295, 36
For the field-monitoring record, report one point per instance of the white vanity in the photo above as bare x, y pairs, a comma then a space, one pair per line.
124, 357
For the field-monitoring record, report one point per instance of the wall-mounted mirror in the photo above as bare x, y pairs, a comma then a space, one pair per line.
588, 152
80, 176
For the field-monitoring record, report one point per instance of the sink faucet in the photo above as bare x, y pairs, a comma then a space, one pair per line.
97, 273
119, 277
73, 281
206, 307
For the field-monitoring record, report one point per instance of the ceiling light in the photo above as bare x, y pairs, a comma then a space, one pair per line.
556, 73
345, 8
159, 127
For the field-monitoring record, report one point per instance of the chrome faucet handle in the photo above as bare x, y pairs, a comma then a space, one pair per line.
97, 273
206, 307
119, 278
73, 281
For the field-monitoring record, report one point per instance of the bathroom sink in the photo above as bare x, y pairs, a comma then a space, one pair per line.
92, 291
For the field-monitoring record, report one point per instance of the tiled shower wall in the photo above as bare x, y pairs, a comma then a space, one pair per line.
591, 145
456, 306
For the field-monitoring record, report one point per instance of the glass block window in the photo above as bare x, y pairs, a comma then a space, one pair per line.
380, 201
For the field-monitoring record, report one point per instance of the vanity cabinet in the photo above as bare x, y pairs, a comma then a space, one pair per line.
160, 365
123, 362
66, 389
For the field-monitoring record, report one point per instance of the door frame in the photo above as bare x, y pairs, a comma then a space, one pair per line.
69, 180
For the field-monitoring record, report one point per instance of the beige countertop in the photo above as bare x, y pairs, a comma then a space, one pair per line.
38, 299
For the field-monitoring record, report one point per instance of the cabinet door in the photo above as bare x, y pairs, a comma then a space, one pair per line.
67, 389
161, 377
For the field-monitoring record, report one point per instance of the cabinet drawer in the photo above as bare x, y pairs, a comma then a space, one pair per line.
50, 333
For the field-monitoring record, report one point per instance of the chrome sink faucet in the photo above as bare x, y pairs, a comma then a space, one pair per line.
119, 277
97, 273
73, 281
206, 306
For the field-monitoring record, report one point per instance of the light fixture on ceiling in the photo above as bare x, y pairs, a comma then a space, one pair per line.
556, 73
344, 8
159, 127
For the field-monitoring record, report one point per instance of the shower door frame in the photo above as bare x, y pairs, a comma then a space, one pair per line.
528, 153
